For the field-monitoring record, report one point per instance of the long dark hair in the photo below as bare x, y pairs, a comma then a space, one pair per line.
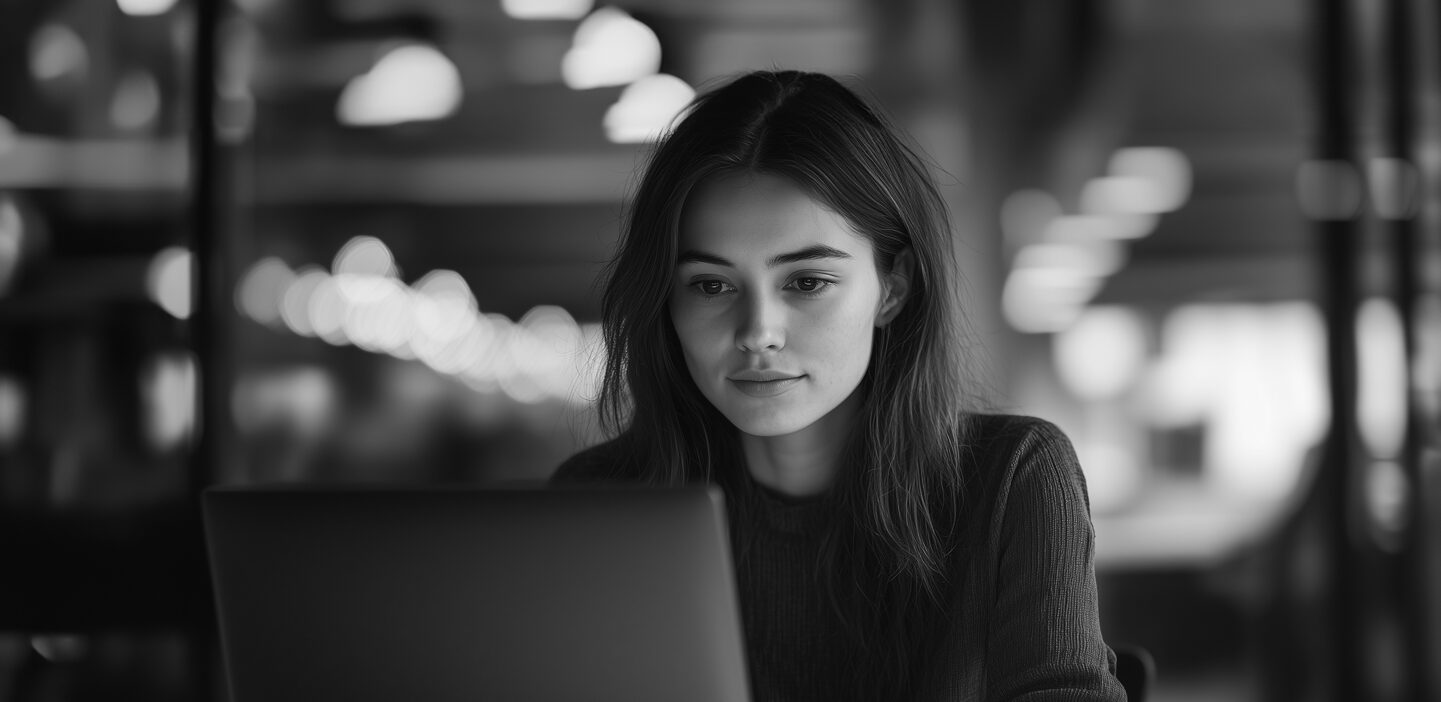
904, 471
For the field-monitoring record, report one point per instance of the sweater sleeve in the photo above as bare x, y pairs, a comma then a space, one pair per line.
1044, 631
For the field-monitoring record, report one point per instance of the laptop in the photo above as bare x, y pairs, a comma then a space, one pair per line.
544, 594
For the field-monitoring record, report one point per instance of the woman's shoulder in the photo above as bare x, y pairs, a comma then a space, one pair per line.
1008, 449
1006, 435
604, 462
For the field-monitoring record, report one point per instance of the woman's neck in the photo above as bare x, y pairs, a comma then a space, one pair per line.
803, 463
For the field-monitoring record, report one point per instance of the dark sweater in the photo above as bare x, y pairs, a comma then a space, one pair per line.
1021, 618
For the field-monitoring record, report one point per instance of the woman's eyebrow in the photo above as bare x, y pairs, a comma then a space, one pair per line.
809, 253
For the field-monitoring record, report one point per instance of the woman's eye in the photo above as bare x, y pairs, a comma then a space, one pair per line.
810, 285
710, 288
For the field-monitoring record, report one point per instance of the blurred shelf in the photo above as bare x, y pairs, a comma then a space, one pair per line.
35, 162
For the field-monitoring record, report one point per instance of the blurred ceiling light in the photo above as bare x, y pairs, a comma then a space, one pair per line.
168, 281
1123, 195
1037, 301
1328, 189
610, 48
1166, 169
1099, 227
1394, 185
362, 267
412, 83
1381, 388
646, 109
56, 53
145, 8
295, 303
136, 102
1094, 259
1026, 214
12, 411
262, 290
364, 255
1103, 353
546, 9
9, 136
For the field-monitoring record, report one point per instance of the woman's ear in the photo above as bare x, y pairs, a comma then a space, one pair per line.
895, 287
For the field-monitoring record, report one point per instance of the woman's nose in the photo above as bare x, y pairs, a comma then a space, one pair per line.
762, 325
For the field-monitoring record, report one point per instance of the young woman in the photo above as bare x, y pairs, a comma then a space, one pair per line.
780, 322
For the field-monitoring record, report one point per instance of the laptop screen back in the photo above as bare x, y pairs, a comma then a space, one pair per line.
563, 594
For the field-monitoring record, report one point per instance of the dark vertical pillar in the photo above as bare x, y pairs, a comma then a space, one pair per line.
1400, 131
207, 331
1339, 251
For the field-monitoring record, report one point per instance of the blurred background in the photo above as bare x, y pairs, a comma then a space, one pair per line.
358, 241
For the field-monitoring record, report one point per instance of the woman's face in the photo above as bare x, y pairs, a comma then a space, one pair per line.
775, 301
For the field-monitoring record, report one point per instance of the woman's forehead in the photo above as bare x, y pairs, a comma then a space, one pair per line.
761, 214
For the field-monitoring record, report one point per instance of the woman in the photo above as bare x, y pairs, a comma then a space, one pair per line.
779, 321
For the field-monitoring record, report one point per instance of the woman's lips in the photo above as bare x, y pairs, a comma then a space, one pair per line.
766, 388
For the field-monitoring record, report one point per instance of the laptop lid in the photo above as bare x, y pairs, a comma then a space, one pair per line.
475, 594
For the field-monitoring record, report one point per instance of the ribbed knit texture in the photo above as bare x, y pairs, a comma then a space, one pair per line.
1021, 621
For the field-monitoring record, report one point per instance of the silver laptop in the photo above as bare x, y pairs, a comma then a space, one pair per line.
475, 594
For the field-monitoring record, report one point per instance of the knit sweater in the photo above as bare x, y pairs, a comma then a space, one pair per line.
1021, 618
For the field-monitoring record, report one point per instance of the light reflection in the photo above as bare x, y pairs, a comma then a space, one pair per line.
411, 83
295, 303
610, 48
58, 53
1381, 382
646, 109
1253, 376
1040, 301
546, 9
546, 355
168, 394
136, 103
262, 289
12, 241
1167, 170
169, 281
327, 309
1099, 227
13, 402
1103, 353
1387, 498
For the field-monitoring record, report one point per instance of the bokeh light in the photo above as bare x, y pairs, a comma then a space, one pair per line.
135, 105
1381, 383
262, 290
145, 8
410, 83
610, 48
546, 9
168, 281
57, 53
1102, 354
646, 109
12, 241
13, 403
1166, 170
168, 397
295, 303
